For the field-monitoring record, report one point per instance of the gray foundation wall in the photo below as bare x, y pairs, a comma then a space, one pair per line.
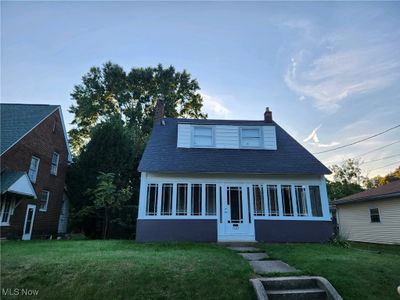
176, 230
276, 231
284, 231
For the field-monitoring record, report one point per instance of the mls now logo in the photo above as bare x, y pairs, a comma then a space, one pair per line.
18, 292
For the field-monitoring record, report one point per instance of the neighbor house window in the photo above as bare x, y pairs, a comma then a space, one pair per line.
287, 200
166, 199
301, 199
181, 201
54, 163
315, 199
5, 210
196, 199
33, 168
258, 200
211, 199
203, 136
44, 200
250, 137
374, 215
152, 195
273, 208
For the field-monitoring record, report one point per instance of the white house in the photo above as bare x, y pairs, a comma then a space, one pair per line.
371, 216
230, 180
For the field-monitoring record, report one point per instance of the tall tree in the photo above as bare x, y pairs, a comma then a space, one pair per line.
347, 180
109, 90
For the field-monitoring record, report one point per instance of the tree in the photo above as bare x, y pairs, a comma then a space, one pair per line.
378, 181
109, 90
112, 148
347, 180
107, 197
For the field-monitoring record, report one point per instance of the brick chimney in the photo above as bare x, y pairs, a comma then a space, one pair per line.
267, 115
159, 111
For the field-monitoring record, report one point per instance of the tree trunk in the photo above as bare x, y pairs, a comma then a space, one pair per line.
106, 217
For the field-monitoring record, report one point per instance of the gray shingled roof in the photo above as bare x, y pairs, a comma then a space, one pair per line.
8, 178
389, 190
162, 155
19, 119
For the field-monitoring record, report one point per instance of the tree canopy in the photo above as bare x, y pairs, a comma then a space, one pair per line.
109, 90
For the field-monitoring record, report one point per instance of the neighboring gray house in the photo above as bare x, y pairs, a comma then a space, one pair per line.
230, 180
371, 216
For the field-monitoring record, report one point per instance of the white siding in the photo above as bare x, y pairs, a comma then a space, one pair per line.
355, 223
184, 135
226, 136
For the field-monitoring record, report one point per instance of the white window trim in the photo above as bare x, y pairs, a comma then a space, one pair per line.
36, 171
193, 128
379, 214
56, 166
10, 211
47, 201
261, 141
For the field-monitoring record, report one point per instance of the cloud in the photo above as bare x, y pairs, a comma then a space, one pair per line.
214, 106
330, 75
314, 140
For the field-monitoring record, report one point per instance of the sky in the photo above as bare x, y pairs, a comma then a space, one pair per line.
330, 72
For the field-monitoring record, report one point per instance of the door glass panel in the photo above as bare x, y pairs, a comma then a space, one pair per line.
236, 204
29, 221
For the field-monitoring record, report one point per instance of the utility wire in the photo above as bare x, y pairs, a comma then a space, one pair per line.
395, 163
359, 141
373, 150
383, 158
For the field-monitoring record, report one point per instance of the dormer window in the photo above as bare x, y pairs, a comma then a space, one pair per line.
250, 137
203, 136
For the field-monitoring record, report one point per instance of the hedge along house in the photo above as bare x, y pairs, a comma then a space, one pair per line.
230, 180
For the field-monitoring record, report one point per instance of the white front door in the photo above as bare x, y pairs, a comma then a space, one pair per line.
237, 222
29, 219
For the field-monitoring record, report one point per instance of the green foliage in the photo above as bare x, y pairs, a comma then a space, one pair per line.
340, 241
113, 148
347, 180
109, 90
378, 181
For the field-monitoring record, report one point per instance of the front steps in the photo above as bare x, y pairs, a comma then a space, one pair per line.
295, 288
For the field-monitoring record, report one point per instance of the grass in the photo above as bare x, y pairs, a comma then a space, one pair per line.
362, 271
124, 270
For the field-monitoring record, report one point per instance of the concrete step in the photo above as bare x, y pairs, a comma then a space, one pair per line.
297, 294
290, 283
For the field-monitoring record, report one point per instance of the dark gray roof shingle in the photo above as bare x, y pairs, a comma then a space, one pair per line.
162, 155
19, 119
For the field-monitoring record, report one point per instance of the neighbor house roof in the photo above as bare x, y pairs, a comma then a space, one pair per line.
17, 120
389, 190
163, 155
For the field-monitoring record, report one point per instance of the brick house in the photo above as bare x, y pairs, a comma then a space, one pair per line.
34, 159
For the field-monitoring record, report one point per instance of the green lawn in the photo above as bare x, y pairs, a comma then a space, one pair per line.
124, 270
360, 272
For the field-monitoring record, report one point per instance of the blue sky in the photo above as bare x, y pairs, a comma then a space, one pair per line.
334, 67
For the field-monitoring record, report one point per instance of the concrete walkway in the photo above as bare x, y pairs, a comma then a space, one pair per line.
257, 259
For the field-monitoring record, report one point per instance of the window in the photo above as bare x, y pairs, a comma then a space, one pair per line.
258, 200
166, 199
181, 201
152, 195
374, 215
287, 200
273, 208
5, 210
33, 168
211, 198
203, 136
301, 199
250, 137
44, 200
315, 197
54, 163
196, 200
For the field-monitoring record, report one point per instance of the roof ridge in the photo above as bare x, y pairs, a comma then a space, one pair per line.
30, 104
